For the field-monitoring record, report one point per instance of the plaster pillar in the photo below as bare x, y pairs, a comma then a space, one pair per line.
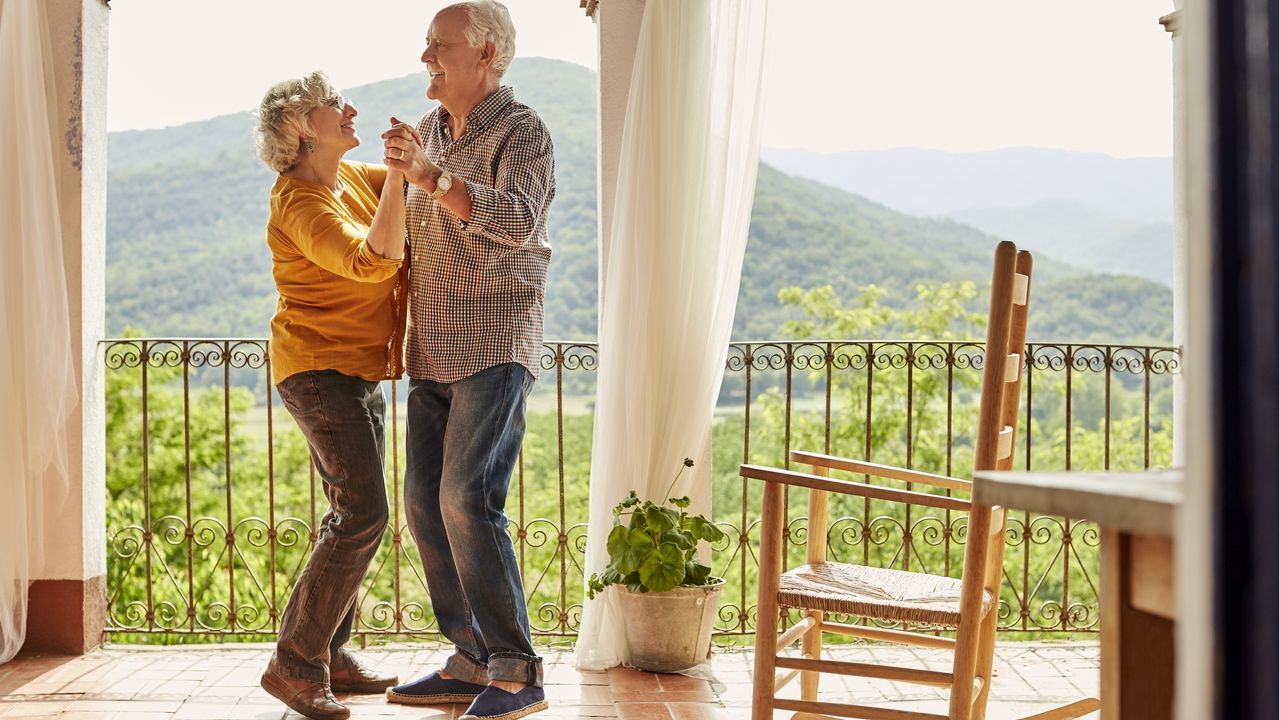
67, 598
1194, 571
618, 31
1171, 23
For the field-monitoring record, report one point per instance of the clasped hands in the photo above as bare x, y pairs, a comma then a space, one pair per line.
403, 152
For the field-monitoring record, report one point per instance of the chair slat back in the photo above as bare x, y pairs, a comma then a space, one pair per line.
991, 414
1017, 349
1002, 371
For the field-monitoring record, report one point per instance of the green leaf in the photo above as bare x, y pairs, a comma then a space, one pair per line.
617, 542
610, 576
663, 569
636, 521
682, 540
599, 582
695, 573
661, 519
633, 583
681, 502
628, 548
704, 529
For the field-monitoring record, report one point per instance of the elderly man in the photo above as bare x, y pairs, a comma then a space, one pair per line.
481, 177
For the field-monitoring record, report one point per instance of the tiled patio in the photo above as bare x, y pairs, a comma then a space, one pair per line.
209, 682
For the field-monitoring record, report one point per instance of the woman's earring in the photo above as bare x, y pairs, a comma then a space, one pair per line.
311, 147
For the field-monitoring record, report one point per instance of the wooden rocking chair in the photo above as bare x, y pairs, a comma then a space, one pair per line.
820, 587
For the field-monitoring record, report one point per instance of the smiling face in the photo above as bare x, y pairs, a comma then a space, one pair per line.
459, 72
333, 125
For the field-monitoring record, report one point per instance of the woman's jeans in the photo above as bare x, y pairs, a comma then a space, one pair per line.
463, 443
343, 419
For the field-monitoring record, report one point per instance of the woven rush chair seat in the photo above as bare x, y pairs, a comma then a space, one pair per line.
880, 593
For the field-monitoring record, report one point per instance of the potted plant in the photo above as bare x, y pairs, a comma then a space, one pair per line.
668, 597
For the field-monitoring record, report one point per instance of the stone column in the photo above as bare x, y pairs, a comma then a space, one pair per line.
67, 608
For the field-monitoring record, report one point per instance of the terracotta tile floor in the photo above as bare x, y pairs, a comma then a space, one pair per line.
220, 682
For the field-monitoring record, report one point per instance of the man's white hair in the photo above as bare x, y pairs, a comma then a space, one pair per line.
489, 22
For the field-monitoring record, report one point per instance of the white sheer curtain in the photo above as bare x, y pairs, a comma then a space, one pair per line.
685, 187
37, 381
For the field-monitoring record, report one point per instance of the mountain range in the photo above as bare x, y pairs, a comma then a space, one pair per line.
1096, 212
187, 206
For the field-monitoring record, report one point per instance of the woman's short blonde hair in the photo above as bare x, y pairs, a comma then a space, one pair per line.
489, 21
282, 118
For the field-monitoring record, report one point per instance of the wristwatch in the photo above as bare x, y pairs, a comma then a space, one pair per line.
443, 183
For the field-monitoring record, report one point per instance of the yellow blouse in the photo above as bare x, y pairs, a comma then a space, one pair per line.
342, 305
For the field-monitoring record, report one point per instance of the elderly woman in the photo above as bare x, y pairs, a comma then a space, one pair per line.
337, 240
481, 178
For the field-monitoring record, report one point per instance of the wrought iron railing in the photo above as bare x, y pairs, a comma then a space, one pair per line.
212, 499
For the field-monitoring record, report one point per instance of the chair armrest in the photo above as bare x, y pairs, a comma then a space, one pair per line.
878, 470
881, 471
876, 492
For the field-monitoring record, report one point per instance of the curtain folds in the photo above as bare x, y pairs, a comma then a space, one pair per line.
37, 379
683, 204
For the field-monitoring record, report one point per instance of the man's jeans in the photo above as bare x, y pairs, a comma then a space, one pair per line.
343, 419
463, 442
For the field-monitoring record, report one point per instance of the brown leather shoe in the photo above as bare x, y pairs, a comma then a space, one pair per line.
307, 697
356, 678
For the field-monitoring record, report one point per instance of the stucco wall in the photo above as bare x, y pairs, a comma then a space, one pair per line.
74, 531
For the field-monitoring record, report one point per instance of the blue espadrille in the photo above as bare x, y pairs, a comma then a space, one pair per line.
434, 690
498, 704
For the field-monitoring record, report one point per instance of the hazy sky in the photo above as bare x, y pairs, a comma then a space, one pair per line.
1092, 75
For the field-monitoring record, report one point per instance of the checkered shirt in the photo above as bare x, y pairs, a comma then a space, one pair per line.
477, 288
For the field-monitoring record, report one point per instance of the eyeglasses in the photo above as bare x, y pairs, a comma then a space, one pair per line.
335, 101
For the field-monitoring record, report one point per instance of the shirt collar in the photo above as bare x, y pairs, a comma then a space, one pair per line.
488, 109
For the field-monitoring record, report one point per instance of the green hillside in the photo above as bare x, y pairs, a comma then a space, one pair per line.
187, 206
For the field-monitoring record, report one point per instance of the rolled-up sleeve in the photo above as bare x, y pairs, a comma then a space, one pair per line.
333, 243
512, 210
